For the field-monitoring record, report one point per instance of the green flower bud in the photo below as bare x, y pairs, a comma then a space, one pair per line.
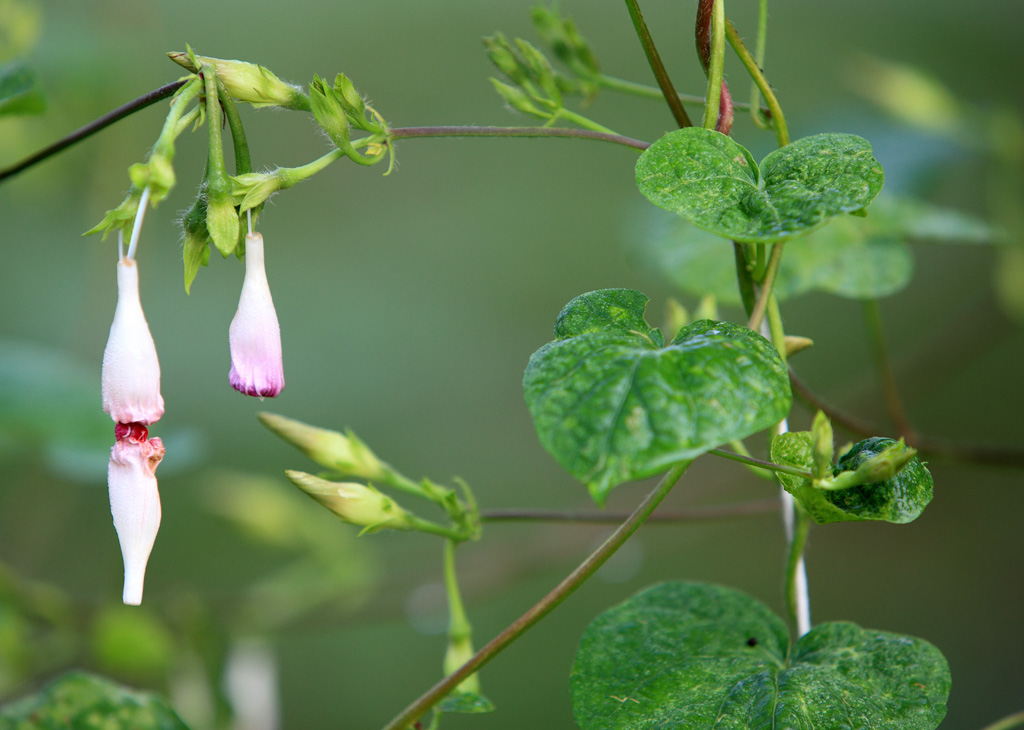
540, 70
248, 82
355, 503
822, 448
878, 468
518, 100
502, 55
350, 98
343, 453
330, 114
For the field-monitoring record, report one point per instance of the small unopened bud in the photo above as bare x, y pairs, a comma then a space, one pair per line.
131, 371
857, 468
822, 448
518, 100
343, 453
134, 502
255, 335
355, 503
329, 112
247, 82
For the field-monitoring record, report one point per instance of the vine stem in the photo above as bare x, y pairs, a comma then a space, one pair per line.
797, 595
93, 127
759, 52
778, 119
657, 66
462, 131
700, 514
653, 92
744, 459
542, 608
767, 285
715, 65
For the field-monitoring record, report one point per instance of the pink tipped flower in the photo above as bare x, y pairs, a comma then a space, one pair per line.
255, 335
131, 371
134, 501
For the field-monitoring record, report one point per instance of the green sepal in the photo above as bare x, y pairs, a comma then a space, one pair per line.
196, 243
569, 47
876, 479
519, 100
698, 656
712, 181
120, 218
612, 403
222, 222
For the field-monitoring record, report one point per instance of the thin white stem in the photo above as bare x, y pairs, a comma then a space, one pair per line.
120, 245
248, 213
137, 227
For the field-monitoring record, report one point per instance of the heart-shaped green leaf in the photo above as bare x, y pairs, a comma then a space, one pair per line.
86, 702
703, 657
712, 181
900, 499
612, 403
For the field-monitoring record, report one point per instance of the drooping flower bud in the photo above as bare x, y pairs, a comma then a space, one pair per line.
134, 502
343, 453
247, 82
255, 335
131, 371
355, 503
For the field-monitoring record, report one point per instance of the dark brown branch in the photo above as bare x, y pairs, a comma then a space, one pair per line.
92, 128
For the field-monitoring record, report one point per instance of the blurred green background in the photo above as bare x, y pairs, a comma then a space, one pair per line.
409, 305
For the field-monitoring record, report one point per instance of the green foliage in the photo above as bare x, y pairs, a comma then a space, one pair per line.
899, 498
854, 257
130, 641
713, 182
612, 403
19, 91
85, 702
695, 656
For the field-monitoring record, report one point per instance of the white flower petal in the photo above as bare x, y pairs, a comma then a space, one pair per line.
255, 335
135, 507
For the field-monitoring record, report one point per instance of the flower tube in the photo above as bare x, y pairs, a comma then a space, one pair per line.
134, 502
255, 335
131, 371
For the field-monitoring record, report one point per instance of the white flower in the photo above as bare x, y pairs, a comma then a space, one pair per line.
255, 335
131, 371
134, 503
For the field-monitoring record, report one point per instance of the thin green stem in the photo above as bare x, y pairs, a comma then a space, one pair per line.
432, 528
757, 316
751, 461
542, 608
653, 92
716, 65
697, 514
744, 279
798, 609
876, 337
582, 121
776, 328
460, 632
217, 174
92, 128
1008, 722
243, 161
460, 131
760, 47
657, 66
778, 119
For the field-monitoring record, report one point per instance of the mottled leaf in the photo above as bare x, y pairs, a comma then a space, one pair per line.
86, 702
713, 182
612, 403
899, 499
697, 656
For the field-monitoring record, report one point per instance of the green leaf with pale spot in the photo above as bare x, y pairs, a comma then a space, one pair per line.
695, 656
86, 702
900, 499
712, 181
612, 403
